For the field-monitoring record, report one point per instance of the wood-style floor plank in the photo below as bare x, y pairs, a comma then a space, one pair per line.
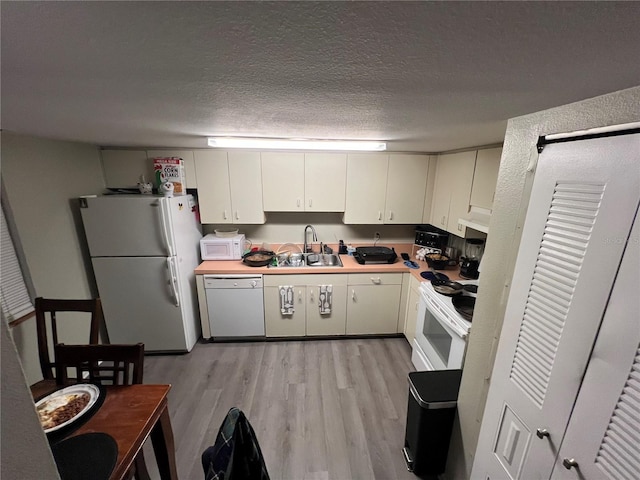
321, 409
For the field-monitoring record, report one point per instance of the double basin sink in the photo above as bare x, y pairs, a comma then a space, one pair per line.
309, 260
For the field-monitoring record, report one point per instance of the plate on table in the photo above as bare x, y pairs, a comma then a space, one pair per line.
65, 406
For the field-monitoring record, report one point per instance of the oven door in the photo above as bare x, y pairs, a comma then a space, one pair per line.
441, 344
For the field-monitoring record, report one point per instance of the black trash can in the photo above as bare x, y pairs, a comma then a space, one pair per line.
433, 397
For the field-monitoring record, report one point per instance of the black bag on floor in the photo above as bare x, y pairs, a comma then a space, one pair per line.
236, 454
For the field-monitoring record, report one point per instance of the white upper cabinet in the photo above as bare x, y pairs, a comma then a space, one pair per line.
229, 187
385, 188
452, 191
406, 187
124, 168
325, 179
297, 182
283, 181
214, 193
188, 159
366, 187
485, 178
245, 180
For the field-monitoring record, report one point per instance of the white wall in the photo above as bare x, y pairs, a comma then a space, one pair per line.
509, 210
43, 179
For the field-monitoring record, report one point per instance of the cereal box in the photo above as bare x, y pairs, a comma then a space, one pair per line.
170, 169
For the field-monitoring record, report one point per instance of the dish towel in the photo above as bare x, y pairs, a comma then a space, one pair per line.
325, 299
286, 299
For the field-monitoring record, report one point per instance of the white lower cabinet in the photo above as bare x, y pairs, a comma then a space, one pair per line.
411, 315
276, 323
306, 318
373, 303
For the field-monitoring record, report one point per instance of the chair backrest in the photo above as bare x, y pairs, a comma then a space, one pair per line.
47, 308
100, 364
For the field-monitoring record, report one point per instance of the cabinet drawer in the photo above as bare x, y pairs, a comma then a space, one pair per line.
375, 278
308, 280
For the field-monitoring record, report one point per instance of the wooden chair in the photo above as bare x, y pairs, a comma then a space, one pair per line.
47, 308
104, 365
100, 364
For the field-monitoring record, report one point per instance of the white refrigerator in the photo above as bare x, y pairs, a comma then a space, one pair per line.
144, 250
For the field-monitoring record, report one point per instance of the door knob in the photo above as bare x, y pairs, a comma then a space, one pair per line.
542, 432
569, 463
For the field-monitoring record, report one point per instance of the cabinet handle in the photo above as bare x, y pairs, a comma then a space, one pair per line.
377, 281
569, 463
311, 296
353, 295
299, 295
542, 432
237, 216
310, 202
224, 214
298, 203
443, 220
459, 227
390, 215
416, 306
379, 215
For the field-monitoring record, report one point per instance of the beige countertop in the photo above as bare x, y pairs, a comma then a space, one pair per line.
349, 266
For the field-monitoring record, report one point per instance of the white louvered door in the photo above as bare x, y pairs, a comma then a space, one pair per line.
603, 436
583, 202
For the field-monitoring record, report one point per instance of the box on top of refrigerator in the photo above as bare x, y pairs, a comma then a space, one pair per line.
170, 169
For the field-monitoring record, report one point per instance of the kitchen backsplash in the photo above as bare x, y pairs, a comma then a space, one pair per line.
289, 227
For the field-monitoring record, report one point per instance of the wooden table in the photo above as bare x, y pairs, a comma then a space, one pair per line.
130, 414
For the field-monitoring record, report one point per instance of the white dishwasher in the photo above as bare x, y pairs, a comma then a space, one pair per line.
235, 304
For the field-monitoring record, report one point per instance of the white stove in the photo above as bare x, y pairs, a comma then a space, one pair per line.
441, 332
446, 303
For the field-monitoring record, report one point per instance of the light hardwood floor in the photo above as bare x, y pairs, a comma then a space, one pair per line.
321, 409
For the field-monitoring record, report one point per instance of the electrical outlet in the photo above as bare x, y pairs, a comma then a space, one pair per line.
376, 236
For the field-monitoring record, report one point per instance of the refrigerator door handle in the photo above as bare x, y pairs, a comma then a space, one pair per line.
173, 281
165, 228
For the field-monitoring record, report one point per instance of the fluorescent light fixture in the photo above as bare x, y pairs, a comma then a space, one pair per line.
287, 144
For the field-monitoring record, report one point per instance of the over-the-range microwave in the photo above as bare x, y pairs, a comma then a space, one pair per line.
213, 247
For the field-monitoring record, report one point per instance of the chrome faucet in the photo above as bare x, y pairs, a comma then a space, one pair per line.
309, 248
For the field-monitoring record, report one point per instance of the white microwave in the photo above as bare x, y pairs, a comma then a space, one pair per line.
213, 247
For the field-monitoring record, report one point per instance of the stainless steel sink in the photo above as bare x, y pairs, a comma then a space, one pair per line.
323, 260
309, 260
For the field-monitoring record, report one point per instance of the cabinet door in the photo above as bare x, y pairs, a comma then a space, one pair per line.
428, 195
441, 192
412, 310
603, 436
373, 309
583, 200
325, 179
460, 181
214, 194
485, 177
283, 181
406, 186
245, 180
366, 188
123, 168
333, 323
279, 325
189, 163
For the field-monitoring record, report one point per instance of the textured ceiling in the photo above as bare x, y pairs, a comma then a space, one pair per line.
426, 76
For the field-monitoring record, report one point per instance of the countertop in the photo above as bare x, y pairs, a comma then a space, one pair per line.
349, 266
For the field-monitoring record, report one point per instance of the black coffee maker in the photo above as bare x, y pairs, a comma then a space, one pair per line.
473, 249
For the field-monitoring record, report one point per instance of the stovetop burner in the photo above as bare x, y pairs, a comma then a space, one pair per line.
446, 302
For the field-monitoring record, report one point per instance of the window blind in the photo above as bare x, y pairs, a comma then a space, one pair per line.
14, 295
